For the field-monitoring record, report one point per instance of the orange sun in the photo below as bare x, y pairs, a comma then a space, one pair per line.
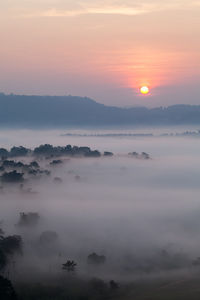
144, 90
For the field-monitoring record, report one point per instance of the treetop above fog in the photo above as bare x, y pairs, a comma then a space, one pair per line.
49, 151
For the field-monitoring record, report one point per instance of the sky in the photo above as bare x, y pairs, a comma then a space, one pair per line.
105, 50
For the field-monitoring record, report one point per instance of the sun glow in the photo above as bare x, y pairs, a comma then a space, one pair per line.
144, 90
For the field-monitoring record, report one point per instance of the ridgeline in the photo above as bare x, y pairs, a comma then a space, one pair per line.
60, 111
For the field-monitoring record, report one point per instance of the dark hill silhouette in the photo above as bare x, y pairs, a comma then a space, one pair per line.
57, 111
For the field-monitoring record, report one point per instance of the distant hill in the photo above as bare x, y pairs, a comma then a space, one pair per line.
56, 111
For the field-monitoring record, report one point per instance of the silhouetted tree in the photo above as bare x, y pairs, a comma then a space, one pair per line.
11, 244
69, 266
94, 153
12, 164
12, 176
56, 162
145, 155
108, 153
4, 153
19, 151
7, 291
34, 164
44, 150
8, 247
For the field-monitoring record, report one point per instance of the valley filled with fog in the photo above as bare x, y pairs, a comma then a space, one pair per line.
140, 215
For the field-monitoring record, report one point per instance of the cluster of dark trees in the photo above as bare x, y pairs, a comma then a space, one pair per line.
14, 152
7, 291
10, 246
13, 176
13, 172
74, 287
68, 150
106, 153
50, 151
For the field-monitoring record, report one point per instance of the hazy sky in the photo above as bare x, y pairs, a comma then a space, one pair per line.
102, 49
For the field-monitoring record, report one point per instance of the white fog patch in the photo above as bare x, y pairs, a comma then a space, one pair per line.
115, 206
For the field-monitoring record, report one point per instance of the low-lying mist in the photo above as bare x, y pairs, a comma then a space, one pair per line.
143, 216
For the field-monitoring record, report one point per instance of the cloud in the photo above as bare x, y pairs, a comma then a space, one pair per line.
128, 8
88, 11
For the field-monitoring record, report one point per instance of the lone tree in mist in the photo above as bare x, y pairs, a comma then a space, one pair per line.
69, 266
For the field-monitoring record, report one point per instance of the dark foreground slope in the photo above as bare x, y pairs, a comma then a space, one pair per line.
54, 111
